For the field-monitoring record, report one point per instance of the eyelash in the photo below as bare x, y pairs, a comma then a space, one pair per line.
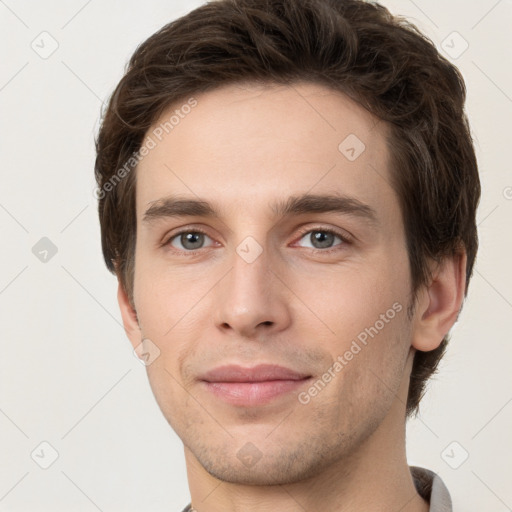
345, 239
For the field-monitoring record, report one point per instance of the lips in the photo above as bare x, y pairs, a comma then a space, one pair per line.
260, 373
249, 387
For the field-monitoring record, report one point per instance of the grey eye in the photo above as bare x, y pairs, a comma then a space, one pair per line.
189, 240
321, 239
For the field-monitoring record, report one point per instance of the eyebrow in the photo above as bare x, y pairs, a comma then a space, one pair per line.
176, 206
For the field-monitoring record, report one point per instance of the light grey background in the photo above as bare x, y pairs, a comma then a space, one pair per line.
68, 376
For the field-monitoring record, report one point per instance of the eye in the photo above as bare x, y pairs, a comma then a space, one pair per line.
324, 238
188, 241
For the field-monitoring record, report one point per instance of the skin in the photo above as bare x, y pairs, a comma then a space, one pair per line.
296, 304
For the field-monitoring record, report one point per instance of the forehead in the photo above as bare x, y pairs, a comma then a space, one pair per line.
243, 142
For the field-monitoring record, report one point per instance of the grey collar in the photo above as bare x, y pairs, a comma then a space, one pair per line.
432, 489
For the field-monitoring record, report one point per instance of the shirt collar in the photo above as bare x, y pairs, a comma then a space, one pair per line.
431, 488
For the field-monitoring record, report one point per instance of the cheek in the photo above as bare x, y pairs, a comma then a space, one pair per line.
167, 308
165, 297
372, 370
363, 312
345, 300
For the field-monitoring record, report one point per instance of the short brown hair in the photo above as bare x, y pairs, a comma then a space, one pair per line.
358, 48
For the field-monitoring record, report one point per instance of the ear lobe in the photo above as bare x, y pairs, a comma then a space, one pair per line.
129, 316
439, 304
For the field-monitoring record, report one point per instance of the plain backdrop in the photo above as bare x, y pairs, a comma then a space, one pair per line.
68, 377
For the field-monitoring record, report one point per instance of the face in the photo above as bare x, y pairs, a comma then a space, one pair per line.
295, 258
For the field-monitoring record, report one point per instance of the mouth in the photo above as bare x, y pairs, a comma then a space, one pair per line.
249, 387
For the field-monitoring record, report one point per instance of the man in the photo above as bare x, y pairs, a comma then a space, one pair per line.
288, 194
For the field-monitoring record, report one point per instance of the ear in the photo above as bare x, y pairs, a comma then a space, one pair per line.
439, 304
129, 315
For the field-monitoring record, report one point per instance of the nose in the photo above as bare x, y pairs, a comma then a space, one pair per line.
252, 298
